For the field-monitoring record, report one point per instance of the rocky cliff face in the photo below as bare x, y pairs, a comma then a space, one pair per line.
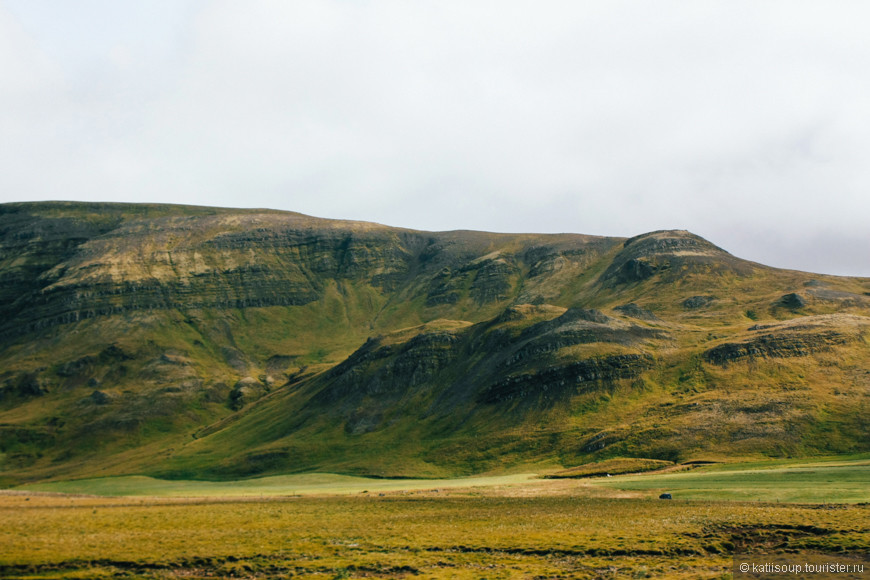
245, 341
188, 263
62, 263
807, 336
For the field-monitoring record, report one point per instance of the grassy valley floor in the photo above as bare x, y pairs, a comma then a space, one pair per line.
324, 526
828, 482
279, 485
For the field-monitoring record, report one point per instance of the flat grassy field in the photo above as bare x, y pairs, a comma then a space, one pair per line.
299, 484
832, 481
508, 527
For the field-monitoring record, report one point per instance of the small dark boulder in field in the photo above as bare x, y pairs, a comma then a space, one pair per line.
793, 301
694, 302
98, 398
665, 496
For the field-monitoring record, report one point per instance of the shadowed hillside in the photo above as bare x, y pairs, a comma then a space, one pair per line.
206, 342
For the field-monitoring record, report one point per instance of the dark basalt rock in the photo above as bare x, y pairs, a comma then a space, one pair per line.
379, 371
372, 350
234, 289
569, 379
259, 267
793, 301
98, 398
451, 366
25, 385
578, 326
660, 252
76, 367
775, 345
555, 382
555, 341
695, 302
66, 269
636, 270
445, 288
510, 313
492, 282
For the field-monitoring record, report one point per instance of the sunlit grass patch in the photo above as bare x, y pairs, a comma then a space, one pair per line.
298, 484
846, 481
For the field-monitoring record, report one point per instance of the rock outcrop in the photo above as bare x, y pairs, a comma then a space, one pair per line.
246, 391
555, 383
670, 253
795, 338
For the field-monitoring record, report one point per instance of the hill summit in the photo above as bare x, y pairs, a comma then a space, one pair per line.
205, 342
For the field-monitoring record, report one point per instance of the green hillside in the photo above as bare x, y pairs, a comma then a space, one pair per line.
191, 342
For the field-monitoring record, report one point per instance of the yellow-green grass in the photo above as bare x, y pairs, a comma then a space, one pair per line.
324, 526
491, 533
298, 484
831, 481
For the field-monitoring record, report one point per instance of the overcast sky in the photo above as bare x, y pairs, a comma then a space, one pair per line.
746, 122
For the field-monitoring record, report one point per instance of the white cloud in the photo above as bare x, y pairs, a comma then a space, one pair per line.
741, 120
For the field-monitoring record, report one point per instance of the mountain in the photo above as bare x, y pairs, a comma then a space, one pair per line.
184, 341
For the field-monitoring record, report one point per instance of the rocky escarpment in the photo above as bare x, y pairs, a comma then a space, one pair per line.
556, 383
775, 345
791, 339
378, 376
485, 281
31, 245
379, 370
63, 263
181, 266
575, 327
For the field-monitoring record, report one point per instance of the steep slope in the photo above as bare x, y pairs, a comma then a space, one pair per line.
202, 341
